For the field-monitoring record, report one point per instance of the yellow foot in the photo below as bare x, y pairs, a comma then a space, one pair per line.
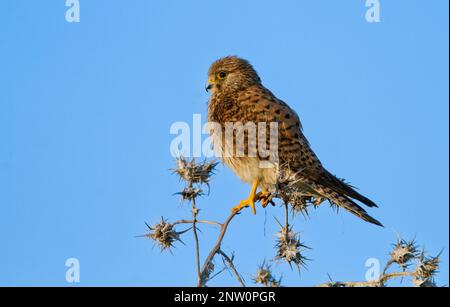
265, 197
250, 201
244, 204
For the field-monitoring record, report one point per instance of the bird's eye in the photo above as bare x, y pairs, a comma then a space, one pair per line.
221, 75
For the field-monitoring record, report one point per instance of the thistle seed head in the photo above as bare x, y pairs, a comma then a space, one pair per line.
265, 278
190, 193
403, 253
163, 234
289, 248
427, 267
193, 172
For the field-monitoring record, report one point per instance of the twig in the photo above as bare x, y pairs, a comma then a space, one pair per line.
372, 283
233, 268
287, 221
198, 222
197, 246
205, 269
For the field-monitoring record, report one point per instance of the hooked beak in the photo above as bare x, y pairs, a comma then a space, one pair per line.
209, 85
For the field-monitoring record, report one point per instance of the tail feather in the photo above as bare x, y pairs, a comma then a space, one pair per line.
346, 189
341, 200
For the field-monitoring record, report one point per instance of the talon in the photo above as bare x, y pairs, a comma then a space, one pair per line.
266, 202
265, 197
249, 202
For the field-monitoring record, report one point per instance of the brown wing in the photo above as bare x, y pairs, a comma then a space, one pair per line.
258, 104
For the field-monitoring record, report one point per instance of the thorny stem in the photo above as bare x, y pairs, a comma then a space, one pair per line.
388, 265
198, 222
231, 265
194, 229
215, 250
286, 221
381, 280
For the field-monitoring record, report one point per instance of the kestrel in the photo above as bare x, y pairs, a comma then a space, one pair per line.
238, 96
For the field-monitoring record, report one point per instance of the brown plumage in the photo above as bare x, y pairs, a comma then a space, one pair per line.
238, 96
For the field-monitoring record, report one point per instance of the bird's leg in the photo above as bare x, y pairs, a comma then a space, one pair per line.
265, 197
250, 201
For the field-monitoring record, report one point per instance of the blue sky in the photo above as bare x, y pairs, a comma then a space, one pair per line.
85, 112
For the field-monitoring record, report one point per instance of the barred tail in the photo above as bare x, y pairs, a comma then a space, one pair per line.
344, 202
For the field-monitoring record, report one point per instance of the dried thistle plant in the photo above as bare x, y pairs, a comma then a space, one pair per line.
164, 234
265, 277
290, 192
195, 173
403, 253
190, 194
287, 190
426, 269
289, 248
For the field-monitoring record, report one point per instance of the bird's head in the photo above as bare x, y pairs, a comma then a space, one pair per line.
230, 74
